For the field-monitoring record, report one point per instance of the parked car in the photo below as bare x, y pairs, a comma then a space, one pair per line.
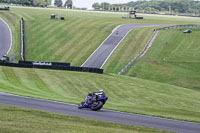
124, 16
187, 31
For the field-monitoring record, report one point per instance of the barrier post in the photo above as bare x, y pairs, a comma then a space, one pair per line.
22, 40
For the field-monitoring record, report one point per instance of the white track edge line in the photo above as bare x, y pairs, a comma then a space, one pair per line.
10, 35
124, 38
3, 93
9, 94
116, 47
100, 46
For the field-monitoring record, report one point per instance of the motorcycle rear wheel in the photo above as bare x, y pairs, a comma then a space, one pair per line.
97, 107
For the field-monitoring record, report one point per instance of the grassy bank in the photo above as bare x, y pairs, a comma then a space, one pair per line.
18, 120
74, 39
14, 23
177, 63
130, 47
125, 93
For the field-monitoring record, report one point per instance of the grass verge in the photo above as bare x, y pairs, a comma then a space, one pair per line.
177, 63
125, 94
130, 47
14, 23
74, 39
19, 120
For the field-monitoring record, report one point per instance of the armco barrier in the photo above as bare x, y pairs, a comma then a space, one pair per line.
148, 43
139, 55
22, 41
176, 26
64, 66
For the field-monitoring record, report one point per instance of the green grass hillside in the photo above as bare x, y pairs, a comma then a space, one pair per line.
19, 120
177, 63
130, 47
125, 93
74, 39
13, 21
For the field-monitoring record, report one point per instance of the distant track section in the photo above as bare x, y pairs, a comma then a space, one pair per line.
106, 115
5, 38
103, 52
151, 41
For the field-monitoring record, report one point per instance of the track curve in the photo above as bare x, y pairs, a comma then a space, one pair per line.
106, 115
99, 57
5, 38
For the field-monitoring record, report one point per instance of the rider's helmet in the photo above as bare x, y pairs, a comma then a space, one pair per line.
101, 90
90, 94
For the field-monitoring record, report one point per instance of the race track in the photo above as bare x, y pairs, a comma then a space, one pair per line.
103, 52
5, 38
96, 60
106, 115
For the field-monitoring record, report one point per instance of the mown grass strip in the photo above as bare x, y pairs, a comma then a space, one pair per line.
132, 45
20, 120
125, 93
74, 39
176, 63
139, 96
14, 23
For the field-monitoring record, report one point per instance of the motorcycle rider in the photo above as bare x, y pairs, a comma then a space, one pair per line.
92, 96
94, 101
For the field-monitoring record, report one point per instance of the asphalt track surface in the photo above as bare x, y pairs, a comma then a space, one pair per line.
5, 38
103, 52
105, 115
96, 60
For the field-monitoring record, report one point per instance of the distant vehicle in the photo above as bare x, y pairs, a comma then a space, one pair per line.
187, 31
124, 16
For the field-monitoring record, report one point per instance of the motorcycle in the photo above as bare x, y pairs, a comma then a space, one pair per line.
94, 102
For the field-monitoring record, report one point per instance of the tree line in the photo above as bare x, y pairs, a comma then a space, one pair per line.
171, 6
28, 2
41, 3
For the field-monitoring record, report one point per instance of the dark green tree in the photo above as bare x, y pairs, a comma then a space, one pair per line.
48, 2
96, 6
58, 3
41, 3
105, 5
68, 4
23, 2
